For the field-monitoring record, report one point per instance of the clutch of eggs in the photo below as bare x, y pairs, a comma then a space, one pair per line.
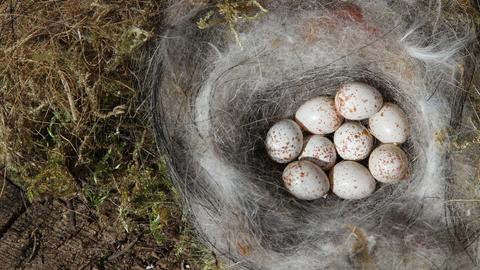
311, 156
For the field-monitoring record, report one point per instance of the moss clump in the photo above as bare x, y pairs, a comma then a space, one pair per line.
231, 12
72, 121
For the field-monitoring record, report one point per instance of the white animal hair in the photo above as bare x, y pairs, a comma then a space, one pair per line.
213, 103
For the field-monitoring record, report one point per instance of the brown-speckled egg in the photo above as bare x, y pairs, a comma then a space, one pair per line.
390, 124
319, 150
351, 180
284, 141
319, 116
305, 180
388, 163
353, 141
357, 101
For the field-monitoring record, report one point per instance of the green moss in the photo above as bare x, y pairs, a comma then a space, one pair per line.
231, 12
53, 179
95, 197
196, 252
129, 41
69, 92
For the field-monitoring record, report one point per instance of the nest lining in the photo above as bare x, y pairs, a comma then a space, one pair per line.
214, 103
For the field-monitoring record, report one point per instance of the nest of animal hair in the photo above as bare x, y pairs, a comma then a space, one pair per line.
216, 92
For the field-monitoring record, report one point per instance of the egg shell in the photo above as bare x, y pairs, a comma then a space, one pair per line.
319, 150
353, 141
284, 141
358, 101
390, 124
319, 116
351, 180
388, 163
305, 180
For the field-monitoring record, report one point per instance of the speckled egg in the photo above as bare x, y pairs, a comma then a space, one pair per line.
319, 150
357, 101
353, 141
319, 116
305, 180
284, 141
390, 124
351, 180
388, 163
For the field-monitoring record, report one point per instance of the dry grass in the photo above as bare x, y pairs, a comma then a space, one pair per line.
74, 125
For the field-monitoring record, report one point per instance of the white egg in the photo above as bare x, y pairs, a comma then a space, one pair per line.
353, 141
305, 180
351, 180
319, 116
284, 141
390, 124
319, 150
357, 101
388, 163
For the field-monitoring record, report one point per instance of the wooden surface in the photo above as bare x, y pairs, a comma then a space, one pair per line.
51, 234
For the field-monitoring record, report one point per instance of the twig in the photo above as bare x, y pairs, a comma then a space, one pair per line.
35, 245
69, 96
463, 200
4, 180
123, 251
71, 214
12, 20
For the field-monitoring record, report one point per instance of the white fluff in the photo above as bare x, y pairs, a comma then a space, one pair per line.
214, 102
